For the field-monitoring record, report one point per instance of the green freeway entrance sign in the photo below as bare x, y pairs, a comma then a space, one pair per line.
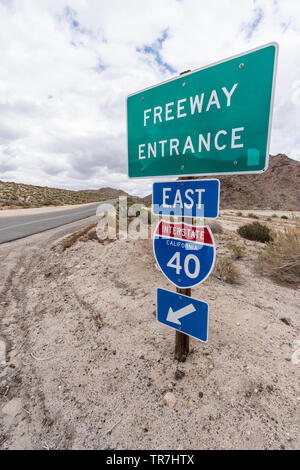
210, 121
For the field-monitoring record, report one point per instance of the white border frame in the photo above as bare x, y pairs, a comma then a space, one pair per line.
186, 241
276, 45
188, 181
173, 327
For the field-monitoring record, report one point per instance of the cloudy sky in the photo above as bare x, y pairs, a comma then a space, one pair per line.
67, 67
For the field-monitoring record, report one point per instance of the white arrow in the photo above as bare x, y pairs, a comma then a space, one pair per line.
173, 317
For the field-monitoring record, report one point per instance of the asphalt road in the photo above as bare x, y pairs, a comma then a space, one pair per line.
14, 228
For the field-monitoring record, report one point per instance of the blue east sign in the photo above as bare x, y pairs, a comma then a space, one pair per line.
187, 198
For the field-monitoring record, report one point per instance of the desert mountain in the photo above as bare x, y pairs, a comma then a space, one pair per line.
277, 188
19, 195
107, 192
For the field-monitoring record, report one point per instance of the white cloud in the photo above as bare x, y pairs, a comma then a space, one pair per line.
66, 69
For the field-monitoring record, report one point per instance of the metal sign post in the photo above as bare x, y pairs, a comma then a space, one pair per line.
214, 120
182, 341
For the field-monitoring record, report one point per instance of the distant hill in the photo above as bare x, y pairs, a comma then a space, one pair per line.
107, 192
18, 195
147, 200
277, 188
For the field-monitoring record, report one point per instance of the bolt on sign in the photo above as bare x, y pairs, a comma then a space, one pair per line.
214, 120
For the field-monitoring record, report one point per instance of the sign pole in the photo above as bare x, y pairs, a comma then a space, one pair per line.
186, 252
182, 341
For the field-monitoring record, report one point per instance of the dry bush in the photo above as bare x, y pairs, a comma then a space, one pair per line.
87, 233
256, 231
281, 259
90, 234
216, 227
237, 250
225, 270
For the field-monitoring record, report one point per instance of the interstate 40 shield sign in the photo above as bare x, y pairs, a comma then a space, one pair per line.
185, 253
213, 120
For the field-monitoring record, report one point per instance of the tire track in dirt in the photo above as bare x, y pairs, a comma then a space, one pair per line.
85, 387
20, 383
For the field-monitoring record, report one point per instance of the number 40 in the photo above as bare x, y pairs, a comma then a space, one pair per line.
176, 264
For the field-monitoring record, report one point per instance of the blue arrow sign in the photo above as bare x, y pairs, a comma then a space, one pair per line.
183, 313
189, 198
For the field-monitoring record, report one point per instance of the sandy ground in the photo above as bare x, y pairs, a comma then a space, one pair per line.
88, 366
231, 221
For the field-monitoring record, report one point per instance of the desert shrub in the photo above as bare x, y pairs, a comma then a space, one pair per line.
90, 233
87, 233
237, 250
130, 201
252, 216
280, 259
274, 215
47, 202
240, 214
256, 231
216, 227
225, 270
284, 217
